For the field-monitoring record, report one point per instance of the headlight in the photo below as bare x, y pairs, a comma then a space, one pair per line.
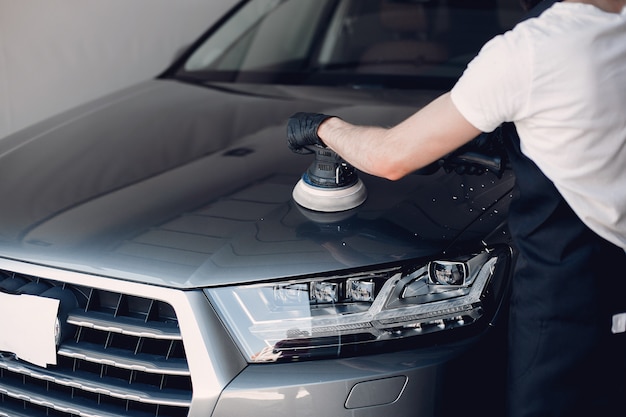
321, 316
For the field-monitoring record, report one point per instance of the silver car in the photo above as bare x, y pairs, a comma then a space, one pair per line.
154, 263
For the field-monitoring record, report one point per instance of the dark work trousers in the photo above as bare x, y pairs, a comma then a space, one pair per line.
568, 284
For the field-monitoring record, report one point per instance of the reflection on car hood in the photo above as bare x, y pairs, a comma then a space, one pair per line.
189, 186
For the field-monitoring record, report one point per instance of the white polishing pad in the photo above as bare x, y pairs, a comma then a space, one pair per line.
329, 199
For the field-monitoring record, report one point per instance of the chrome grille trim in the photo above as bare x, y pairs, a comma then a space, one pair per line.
57, 404
98, 355
81, 382
122, 325
14, 413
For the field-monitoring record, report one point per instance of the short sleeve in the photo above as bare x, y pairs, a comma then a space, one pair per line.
495, 85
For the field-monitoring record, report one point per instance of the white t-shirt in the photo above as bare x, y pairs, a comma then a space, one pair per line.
561, 78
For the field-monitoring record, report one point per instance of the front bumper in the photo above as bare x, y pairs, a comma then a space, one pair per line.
424, 382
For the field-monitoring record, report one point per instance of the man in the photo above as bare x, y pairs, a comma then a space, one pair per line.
560, 79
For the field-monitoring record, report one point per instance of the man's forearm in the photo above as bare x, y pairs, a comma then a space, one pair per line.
392, 153
361, 146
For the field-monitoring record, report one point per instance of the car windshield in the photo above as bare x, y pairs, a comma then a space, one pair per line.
330, 42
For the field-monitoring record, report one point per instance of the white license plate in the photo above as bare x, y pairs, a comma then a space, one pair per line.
27, 327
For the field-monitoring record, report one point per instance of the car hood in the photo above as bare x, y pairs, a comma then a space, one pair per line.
189, 186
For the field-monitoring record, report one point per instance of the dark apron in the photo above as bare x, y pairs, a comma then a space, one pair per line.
568, 283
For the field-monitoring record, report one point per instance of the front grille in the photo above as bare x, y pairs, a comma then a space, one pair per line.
121, 355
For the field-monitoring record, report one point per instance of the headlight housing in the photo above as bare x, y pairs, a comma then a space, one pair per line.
327, 316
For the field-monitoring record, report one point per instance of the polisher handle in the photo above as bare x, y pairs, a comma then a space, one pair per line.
329, 170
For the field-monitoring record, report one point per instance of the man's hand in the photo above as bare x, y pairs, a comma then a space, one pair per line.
302, 131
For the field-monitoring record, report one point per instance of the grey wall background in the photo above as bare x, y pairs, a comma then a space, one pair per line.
56, 54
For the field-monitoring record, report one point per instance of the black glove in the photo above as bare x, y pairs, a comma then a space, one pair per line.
302, 131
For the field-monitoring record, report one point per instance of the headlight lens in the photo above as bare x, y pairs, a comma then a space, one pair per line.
324, 316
